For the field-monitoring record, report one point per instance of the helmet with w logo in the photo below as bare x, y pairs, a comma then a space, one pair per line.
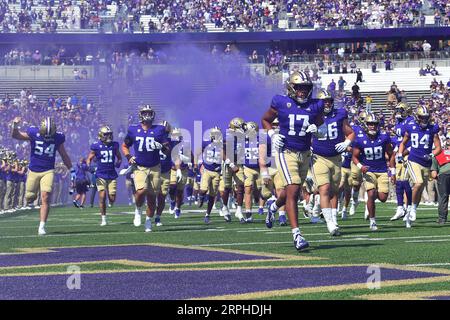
146, 113
402, 111
422, 116
47, 128
326, 96
371, 124
299, 86
105, 134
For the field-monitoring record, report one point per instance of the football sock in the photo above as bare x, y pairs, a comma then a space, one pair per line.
408, 191
282, 213
295, 231
399, 189
41, 225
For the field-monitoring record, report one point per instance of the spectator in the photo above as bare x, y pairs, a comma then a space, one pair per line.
426, 49
359, 76
387, 64
369, 101
332, 88
374, 66
355, 91
341, 84
353, 66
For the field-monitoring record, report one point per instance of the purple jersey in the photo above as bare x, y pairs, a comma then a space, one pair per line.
212, 156
346, 159
400, 129
372, 152
166, 160
332, 127
294, 120
106, 159
43, 151
81, 171
421, 143
142, 140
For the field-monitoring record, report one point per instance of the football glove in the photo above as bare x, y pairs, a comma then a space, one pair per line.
429, 156
184, 159
277, 139
341, 147
312, 128
399, 158
155, 145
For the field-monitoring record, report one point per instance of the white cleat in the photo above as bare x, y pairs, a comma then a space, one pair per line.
224, 211
137, 220
239, 215
408, 224
159, 224
412, 215
104, 223
148, 225
373, 226
400, 213
41, 231
353, 206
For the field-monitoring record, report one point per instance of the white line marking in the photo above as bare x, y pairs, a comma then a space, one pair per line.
319, 241
428, 264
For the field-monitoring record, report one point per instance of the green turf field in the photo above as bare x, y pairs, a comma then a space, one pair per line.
426, 246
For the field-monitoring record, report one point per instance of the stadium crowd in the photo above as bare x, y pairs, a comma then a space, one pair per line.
26, 16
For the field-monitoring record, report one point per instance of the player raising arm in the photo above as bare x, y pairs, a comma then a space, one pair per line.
44, 142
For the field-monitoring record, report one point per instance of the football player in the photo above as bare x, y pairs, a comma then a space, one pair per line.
299, 115
422, 133
212, 158
179, 170
356, 174
233, 169
44, 142
345, 185
147, 139
251, 166
108, 156
402, 187
166, 166
336, 135
369, 155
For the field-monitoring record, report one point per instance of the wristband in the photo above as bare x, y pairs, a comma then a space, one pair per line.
232, 165
265, 174
393, 171
359, 165
128, 156
271, 132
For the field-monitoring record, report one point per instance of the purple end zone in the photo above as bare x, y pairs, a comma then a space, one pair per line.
190, 284
147, 253
438, 298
